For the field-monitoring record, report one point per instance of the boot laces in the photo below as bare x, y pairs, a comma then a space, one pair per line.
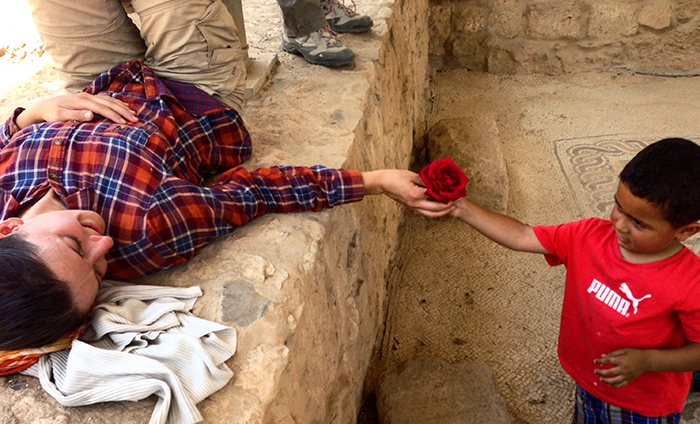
329, 35
350, 11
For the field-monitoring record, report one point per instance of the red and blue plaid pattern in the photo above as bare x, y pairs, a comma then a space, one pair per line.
591, 410
145, 179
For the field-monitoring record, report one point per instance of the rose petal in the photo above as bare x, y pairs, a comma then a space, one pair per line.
444, 180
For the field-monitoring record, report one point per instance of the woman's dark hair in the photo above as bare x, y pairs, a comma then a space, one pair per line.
667, 174
37, 308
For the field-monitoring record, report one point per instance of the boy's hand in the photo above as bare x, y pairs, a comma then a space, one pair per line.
77, 107
628, 365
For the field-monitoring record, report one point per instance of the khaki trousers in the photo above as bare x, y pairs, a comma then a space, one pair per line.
192, 41
301, 17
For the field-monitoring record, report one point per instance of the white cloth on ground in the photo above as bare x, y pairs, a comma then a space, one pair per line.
142, 340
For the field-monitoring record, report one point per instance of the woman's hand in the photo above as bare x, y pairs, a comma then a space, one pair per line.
406, 188
76, 107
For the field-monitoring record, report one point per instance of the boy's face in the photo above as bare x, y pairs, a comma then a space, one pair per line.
641, 226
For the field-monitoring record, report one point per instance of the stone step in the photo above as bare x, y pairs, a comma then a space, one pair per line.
431, 391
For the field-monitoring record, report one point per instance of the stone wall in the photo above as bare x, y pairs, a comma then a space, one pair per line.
561, 36
345, 302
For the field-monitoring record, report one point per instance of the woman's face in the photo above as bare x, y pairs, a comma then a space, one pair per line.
73, 246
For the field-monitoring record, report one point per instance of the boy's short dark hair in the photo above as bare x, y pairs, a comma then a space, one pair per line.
667, 174
37, 308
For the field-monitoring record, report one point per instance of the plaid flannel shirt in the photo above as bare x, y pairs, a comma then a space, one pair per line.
145, 179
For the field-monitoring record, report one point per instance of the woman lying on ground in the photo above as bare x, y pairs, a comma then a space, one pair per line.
109, 183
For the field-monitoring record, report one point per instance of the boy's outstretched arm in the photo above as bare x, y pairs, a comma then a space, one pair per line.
629, 364
502, 229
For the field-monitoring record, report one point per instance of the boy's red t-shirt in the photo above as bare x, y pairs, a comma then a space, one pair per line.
611, 304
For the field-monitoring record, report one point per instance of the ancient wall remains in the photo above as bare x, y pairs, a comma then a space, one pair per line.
561, 36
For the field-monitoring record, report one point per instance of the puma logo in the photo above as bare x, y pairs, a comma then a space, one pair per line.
635, 302
608, 296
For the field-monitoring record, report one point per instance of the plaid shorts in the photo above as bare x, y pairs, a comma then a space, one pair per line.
591, 410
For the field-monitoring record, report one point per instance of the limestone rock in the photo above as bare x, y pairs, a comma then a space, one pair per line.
243, 305
260, 376
678, 51
470, 32
602, 57
612, 18
686, 10
468, 18
435, 392
501, 62
439, 26
506, 19
469, 53
473, 144
656, 15
556, 20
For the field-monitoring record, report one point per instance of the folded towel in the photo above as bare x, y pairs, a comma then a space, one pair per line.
142, 340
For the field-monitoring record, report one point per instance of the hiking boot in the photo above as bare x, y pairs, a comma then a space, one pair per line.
320, 48
345, 19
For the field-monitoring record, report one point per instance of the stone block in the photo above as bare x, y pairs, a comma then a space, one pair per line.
501, 62
612, 19
656, 15
469, 52
685, 10
434, 392
601, 57
516, 57
260, 377
241, 304
506, 19
440, 27
556, 20
474, 145
469, 19
469, 23
677, 52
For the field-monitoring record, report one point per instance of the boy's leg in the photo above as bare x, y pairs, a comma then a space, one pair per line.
194, 41
85, 38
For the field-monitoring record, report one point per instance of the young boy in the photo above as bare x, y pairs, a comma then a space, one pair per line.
631, 307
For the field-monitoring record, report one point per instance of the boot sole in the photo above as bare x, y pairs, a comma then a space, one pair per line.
338, 60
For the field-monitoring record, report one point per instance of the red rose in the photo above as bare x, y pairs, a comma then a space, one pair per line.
444, 180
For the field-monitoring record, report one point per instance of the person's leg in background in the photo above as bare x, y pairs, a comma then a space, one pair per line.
85, 38
194, 41
310, 29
